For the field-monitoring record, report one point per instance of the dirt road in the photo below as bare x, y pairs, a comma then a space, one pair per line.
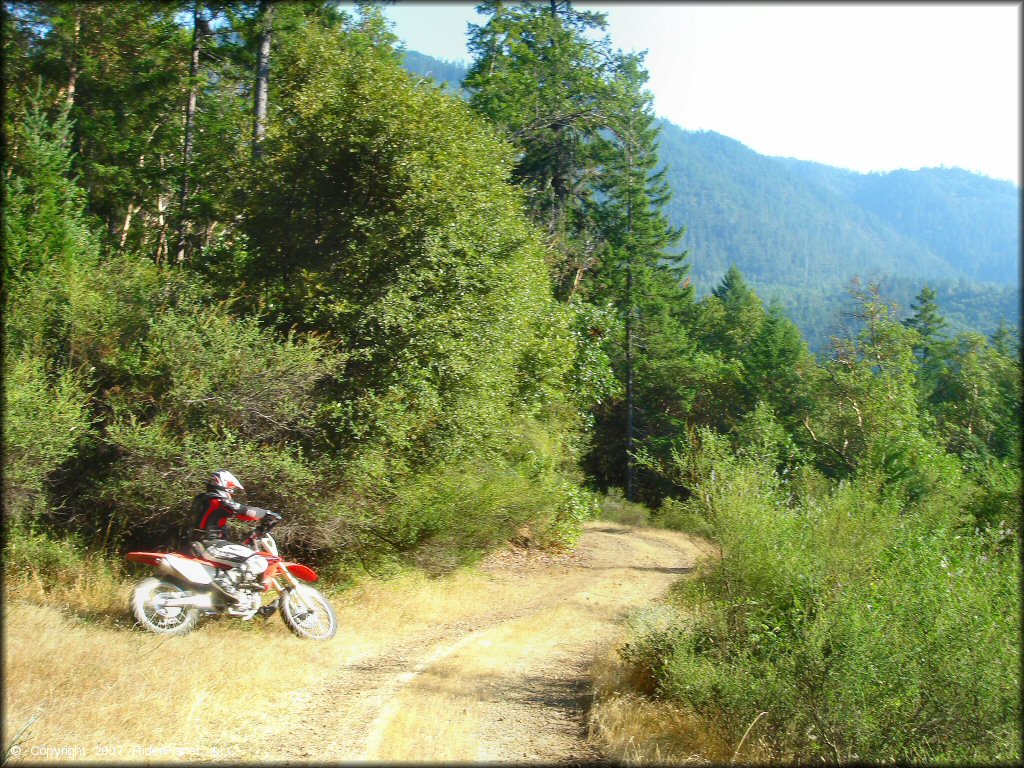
507, 681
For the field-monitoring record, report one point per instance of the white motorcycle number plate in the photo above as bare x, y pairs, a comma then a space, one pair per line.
190, 569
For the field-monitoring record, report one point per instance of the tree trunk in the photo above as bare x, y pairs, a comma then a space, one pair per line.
69, 96
132, 208
190, 119
262, 78
163, 252
630, 465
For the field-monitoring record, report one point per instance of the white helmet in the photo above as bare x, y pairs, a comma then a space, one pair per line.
223, 481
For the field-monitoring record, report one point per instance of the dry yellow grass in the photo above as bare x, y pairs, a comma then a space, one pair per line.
635, 729
82, 685
93, 692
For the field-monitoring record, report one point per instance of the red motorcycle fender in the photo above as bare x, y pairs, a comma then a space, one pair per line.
149, 558
300, 571
175, 564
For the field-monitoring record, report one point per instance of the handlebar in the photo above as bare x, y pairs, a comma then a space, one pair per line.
263, 526
267, 523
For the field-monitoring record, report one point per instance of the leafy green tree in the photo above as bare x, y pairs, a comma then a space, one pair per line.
383, 216
865, 402
539, 73
49, 245
776, 367
976, 399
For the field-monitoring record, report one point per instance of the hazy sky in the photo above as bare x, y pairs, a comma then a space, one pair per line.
866, 87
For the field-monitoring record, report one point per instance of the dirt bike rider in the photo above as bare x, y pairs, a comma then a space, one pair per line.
211, 511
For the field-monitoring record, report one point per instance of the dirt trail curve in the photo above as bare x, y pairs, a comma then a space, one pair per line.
509, 684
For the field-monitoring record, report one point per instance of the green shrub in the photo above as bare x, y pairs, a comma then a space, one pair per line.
27, 550
575, 505
45, 418
679, 515
213, 372
446, 517
866, 625
615, 508
996, 496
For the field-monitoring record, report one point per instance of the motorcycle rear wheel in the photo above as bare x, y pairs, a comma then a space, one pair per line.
162, 620
318, 624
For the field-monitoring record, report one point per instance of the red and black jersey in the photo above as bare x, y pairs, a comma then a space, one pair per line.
211, 512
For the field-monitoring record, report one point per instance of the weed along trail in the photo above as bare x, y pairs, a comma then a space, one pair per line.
506, 680
484, 665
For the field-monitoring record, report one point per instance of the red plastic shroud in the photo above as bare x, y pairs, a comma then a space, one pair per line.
297, 570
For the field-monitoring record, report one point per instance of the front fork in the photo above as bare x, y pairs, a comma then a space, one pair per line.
294, 588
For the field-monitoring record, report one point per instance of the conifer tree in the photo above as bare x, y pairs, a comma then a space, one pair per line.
639, 275
926, 320
930, 347
772, 366
538, 73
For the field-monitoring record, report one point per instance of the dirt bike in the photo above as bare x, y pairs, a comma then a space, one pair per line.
173, 602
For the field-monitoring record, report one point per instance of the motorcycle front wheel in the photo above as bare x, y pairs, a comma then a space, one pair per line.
151, 613
317, 622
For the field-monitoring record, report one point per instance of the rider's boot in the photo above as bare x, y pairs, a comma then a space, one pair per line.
224, 583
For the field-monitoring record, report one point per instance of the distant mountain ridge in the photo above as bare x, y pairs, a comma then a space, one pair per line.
799, 231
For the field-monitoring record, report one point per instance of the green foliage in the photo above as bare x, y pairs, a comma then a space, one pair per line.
760, 437
29, 551
49, 247
615, 508
976, 398
866, 391
996, 496
211, 373
926, 319
44, 221
447, 516
46, 417
866, 627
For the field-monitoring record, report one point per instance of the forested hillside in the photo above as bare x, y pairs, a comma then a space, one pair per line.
971, 222
749, 210
242, 235
799, 231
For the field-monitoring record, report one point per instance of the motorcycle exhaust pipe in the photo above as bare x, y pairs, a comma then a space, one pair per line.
192, 601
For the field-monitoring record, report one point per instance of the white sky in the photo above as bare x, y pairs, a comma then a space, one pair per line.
866, 87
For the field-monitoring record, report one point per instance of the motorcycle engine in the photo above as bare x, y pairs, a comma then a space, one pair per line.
249, 605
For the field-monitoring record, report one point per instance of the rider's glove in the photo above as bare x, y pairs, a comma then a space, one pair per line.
272, 516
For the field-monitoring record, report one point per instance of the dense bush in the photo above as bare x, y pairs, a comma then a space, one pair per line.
864, 624
371, 344
45, 420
